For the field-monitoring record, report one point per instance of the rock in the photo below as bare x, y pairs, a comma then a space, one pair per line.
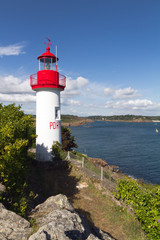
2, 189
12, 226
63, 225
82, 185
52, 203
114, 168
58, 220
98, 162
92, 237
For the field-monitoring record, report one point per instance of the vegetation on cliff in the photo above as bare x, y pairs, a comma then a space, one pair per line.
128, 117
16, 136
68, 141
144, 199
71, 120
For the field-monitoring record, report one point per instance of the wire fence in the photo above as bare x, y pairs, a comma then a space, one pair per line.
85, 164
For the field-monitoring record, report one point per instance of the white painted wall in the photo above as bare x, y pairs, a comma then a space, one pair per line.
48, 122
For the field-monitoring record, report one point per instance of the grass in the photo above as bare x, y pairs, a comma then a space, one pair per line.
94, 202
101, 211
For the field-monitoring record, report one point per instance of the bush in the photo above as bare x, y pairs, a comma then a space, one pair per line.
16, 138
145, 202
56, 150
68, 141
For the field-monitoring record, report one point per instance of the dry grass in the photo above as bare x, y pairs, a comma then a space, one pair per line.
92, 201
98, 206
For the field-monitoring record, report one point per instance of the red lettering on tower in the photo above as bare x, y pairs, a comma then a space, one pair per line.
51, 124
54, 125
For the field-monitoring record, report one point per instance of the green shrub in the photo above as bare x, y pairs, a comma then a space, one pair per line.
68, 141
56, 150
15, 139
145, 202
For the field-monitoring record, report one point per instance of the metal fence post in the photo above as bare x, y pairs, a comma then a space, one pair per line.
82, 162
68, 156
101, 173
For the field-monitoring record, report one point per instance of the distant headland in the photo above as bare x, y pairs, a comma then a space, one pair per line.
72, 120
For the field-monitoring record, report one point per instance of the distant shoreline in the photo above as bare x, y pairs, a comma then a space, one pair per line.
77, 123
86, 121
72, 120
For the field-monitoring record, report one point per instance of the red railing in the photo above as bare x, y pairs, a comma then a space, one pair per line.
34, 81
62, 80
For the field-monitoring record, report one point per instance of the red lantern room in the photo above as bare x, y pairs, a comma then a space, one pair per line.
47, 76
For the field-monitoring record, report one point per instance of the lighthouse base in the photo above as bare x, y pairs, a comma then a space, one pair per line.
43, 154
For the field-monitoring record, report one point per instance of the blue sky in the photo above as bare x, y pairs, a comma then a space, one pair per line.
109, 51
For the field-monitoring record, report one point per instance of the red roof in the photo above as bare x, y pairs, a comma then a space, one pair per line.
47, 54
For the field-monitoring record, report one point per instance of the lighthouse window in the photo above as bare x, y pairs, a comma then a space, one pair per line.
57, 113
48, 66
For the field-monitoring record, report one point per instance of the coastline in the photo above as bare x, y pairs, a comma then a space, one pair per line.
114, 170
77, 123
86, 121
100, 162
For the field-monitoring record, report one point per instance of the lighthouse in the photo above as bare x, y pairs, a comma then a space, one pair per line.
48, 84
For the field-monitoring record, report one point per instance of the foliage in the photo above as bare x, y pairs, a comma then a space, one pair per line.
16, 137
127, 117
56, 150
145, 202
71, 118
68, 141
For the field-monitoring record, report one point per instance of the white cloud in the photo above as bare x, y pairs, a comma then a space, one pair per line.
17, 98
108, 91
11, 84
70, 102
73, 86
13, 89
126, 93
14, 49
131, 105
121, 93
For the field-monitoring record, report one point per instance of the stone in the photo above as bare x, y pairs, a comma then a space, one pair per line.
57, 220
2, 189
82, 185
52, 203
12, 226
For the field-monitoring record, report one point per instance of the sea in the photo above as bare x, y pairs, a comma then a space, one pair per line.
134, 147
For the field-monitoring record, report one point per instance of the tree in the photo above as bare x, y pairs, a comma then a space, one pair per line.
68, 141
15, 139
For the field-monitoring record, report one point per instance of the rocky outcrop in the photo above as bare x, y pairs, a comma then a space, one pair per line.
56, 219
12, 226
98, 162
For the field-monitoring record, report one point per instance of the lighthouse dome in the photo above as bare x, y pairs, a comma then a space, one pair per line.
47, 54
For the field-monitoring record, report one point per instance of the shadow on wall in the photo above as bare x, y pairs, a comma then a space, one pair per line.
51, 178
43, 154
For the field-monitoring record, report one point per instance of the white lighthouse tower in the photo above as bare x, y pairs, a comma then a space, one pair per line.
48, 84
